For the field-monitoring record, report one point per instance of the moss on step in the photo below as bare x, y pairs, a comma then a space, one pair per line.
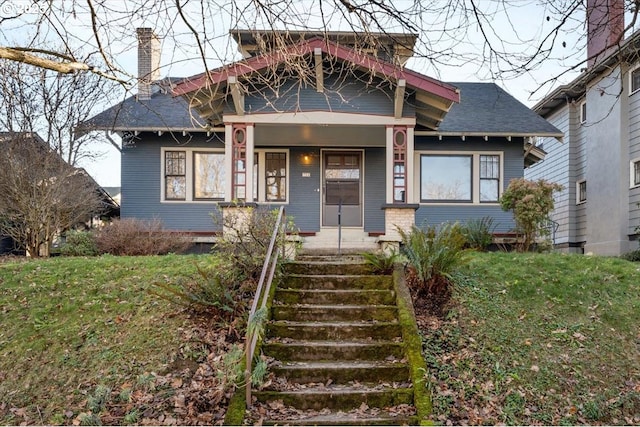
413, 347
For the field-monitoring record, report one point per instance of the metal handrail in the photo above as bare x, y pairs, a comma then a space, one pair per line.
261, 297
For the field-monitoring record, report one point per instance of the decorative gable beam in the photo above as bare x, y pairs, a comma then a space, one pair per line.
238, 97
399, 100
317, 54
434, 101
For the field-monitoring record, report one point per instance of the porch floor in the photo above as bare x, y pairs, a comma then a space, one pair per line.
353, 240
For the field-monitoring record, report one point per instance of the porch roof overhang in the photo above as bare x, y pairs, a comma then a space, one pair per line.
206, 92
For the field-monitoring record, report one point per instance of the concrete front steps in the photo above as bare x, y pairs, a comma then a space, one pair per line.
336, 349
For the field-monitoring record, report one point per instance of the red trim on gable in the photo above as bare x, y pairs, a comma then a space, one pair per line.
377, 66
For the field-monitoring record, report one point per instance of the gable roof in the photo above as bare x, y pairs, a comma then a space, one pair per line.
207, 89
485, 109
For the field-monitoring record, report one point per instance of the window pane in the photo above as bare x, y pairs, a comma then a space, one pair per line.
209, 175
582, 191
175, 162
176, 188
636, 173
489, 190
490, 167
446, 177
255, 176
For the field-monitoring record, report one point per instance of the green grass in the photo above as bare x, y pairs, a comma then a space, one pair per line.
539, 338
70, 325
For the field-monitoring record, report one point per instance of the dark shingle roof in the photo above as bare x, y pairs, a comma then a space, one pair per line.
163, 112
485, 108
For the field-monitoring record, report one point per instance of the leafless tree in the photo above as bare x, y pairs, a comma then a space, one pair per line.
40, 194
37, 100
484, 34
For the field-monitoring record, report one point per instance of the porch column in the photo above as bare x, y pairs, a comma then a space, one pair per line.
228, 162
400, 207
249, 162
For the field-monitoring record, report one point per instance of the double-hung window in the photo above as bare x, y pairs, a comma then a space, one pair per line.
275, 176
489, 178
581, 191
460, 177
175, 175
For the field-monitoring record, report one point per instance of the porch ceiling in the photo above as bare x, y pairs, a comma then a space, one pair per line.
319, 135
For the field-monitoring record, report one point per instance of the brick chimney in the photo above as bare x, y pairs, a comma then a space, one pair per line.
148, 61
605, 27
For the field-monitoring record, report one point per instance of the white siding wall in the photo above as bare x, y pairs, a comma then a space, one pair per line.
555, 168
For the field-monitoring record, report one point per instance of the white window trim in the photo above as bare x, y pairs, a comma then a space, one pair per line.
635, 68
475, 178
582, 112
631, 173
262, 190
188, 174
578, 201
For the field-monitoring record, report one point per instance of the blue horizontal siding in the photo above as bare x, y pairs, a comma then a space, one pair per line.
141, 181
432, 214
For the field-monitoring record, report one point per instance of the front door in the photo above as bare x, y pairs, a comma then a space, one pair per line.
342, 184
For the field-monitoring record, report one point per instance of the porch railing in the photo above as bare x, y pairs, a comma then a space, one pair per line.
260, 298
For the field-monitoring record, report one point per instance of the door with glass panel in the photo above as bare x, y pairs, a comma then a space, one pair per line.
342, 185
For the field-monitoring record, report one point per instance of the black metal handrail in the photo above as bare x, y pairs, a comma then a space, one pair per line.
260, 298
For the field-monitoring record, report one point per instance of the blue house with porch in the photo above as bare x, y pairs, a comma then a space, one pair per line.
323, 124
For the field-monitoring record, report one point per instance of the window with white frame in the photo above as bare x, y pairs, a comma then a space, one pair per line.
581, 191
583, 112
193, 175
634, 80
460, 177
270, 175
635, 173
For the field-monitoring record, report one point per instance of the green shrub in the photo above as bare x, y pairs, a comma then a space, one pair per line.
79, 243
531, 203
381, 262
433, 253
479, 232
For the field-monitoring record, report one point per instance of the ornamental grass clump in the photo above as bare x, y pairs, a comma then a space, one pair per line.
531, 203
433, 255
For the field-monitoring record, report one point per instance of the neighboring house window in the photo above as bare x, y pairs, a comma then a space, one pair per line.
275, 177
581, 190
583, 112
635, 173
634, 78
460, 177
193, 175
175, 170
446, 178
208, 175
489, 178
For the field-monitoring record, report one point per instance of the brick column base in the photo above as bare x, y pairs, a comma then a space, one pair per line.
396, 216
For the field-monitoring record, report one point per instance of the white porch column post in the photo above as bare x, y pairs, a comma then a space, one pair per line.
249, 166
389, 165
228, 162
409, 175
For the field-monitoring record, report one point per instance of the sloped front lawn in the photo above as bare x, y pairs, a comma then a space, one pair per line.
83, 341
538, 339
